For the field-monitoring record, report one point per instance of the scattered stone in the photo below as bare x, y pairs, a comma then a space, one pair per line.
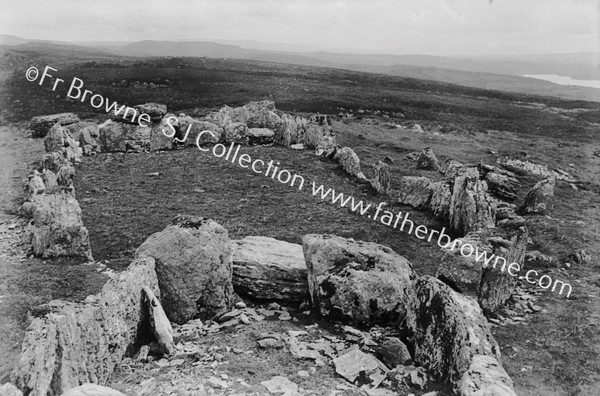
580, 256
240, 304
351, 364
418, 378
298, 146
279, 385
392, 352
193, 265
269, 269
303, 374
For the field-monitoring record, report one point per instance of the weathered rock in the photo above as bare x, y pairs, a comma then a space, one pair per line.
160, 140
485, 377
502, 185
450, 168
441, 196
393, 352
92, 390
161, 327
236, 132
280, 385
193, 264
471, 207
358, 281
112, 136
40, 125
348, 160
190, 131
580, 256
540, 199
50, 181
156, 111
35, 185
88, 137
68, 343
319, 132
54, 161
258, 136
57, 227
427, 160
269, 269
448, 330
497, 286
227, 115
262, 115
381, 178
291, 131
54, 140
537, 259
9, 389
414, 191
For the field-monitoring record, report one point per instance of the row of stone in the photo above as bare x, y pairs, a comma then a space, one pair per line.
191, 264
56, 226
256, 123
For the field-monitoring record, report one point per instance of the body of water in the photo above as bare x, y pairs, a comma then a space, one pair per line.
565, 80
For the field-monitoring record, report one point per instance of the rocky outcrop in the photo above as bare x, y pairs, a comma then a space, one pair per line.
56, 228
414, 191
362, 282
193, 264
349, 161
485, 376
268, 269
540, 199
428, 161
40, 125
68, 344
448, 330
381, 178
471, 207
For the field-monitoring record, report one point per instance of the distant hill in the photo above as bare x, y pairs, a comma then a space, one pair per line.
501, 72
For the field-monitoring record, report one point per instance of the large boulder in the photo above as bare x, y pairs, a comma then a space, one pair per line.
447, 330
57, 227
485, 377
471, 207
503, 184
540, 199
450, 168
88, 139
112, 136
269, 269
262, 115
59, 139
226, 115
414, 191
319, 133
193, 264
362, 282
68, 344
40, 125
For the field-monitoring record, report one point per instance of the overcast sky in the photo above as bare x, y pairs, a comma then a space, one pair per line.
366, 26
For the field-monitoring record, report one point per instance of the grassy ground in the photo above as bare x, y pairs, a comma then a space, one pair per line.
555, 353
